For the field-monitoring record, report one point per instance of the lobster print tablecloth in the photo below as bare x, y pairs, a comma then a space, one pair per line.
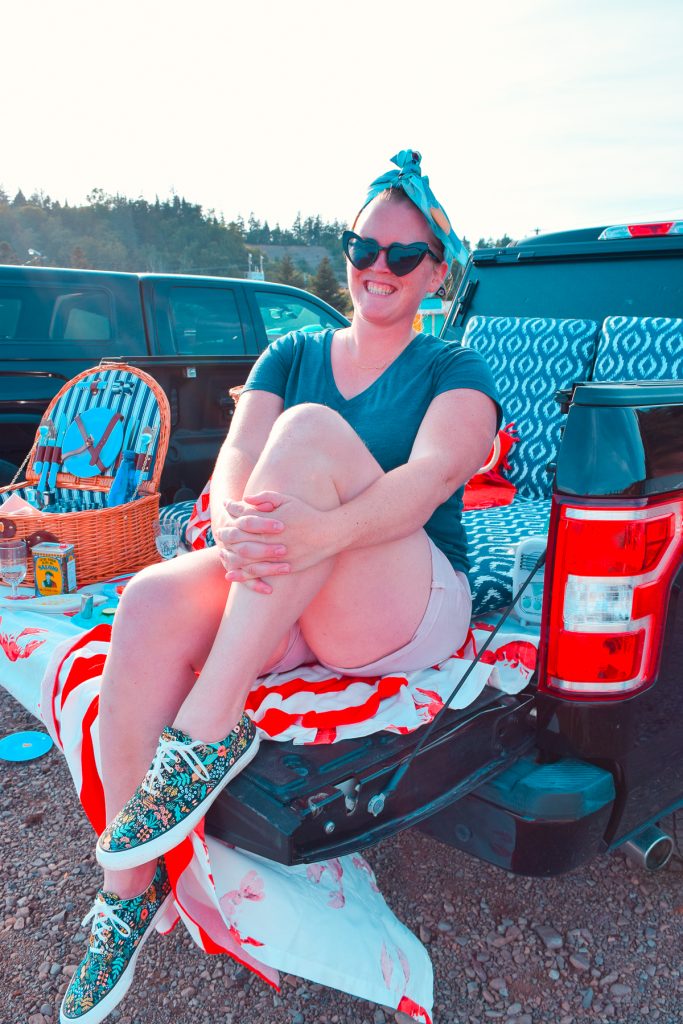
326, 922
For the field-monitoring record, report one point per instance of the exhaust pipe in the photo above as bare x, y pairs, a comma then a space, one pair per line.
651, 849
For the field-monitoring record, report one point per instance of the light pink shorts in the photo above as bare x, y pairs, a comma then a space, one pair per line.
442, 630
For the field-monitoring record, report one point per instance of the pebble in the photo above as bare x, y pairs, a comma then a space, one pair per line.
587, 998
445, 926
425, 934
550, 938
620, 991
379, 1017
36, 1018
298, 1018
580, 961
514, 1009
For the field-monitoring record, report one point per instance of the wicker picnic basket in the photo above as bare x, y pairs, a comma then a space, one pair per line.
108, 541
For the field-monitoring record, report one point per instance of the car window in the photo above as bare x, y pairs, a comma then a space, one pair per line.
50, 313
205, 321
282, 313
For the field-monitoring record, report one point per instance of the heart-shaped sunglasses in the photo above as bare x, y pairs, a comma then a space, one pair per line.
401, 259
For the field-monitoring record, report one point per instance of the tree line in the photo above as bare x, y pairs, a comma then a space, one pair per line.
113, 232
170, 236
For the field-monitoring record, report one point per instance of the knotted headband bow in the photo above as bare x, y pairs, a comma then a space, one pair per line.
415, 184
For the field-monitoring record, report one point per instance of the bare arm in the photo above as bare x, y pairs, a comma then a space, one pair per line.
451, 445
253, 420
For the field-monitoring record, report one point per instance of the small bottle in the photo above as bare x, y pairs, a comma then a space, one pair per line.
123, 484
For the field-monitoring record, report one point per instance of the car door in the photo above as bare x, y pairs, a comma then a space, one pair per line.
278, 310
205, 345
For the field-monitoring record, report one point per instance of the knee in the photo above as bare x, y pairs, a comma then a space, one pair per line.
310, 423
145, 596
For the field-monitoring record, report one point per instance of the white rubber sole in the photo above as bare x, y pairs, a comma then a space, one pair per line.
113, 998
156, 848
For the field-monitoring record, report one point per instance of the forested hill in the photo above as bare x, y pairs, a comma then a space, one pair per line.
173, 235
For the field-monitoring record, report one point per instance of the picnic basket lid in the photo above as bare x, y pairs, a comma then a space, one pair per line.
96, 416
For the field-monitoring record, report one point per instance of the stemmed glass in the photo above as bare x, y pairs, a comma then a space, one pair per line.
13, 563
166, 537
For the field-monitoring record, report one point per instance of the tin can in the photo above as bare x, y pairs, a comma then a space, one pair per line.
54, 568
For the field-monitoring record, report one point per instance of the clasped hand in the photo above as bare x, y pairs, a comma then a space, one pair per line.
270, 534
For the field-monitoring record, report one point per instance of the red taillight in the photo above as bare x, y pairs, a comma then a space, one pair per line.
641, 230
662, 227
603, 616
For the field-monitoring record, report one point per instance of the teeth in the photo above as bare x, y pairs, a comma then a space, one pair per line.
379, 289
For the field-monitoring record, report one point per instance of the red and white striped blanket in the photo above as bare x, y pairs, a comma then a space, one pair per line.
237, 903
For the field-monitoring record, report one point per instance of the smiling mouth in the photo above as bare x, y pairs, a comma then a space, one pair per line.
379, 289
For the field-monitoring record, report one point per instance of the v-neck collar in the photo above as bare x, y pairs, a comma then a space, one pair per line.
330, 372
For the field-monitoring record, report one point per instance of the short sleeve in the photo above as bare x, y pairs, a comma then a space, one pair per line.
271, 370
459, 367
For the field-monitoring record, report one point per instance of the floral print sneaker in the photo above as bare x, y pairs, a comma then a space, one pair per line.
118, 932
184, 779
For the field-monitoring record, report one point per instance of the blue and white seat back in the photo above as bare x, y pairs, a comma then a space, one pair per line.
640, 348
531, 358
119, 391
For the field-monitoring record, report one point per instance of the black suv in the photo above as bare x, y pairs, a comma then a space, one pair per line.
197, 336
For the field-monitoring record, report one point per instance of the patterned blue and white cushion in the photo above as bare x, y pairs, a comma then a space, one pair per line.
640, 348
531, 358
492, 534
180, 512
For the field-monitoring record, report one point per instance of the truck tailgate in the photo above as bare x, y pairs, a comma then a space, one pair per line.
297, 804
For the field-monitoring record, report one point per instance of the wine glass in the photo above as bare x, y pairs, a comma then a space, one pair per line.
13, 563
166, 537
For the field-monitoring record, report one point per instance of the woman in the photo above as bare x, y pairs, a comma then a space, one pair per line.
336, 507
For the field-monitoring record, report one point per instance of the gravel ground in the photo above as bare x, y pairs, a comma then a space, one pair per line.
603, 943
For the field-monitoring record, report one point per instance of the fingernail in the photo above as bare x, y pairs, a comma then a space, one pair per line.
280, 551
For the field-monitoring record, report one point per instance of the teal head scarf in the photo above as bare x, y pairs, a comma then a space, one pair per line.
415, 184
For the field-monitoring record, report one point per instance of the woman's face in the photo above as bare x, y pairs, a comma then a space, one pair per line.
379, 297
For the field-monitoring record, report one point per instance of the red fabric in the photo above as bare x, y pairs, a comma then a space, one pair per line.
276, 721
101, 632
92, 791
490, 488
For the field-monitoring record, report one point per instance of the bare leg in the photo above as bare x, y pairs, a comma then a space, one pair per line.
164, 628
174, 618
312, 453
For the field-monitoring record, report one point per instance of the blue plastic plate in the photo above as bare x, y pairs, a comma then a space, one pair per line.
24, 746
95, 423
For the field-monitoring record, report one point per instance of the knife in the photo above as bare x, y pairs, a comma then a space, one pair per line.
56, 459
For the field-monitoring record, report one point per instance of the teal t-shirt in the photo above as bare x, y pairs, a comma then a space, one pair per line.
388, 414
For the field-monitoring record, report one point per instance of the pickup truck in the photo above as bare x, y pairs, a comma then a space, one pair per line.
584, 335
197, 336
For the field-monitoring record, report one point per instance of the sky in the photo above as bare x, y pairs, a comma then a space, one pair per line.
529, 114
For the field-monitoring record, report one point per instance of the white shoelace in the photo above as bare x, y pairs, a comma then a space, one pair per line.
104, 921
164, 761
